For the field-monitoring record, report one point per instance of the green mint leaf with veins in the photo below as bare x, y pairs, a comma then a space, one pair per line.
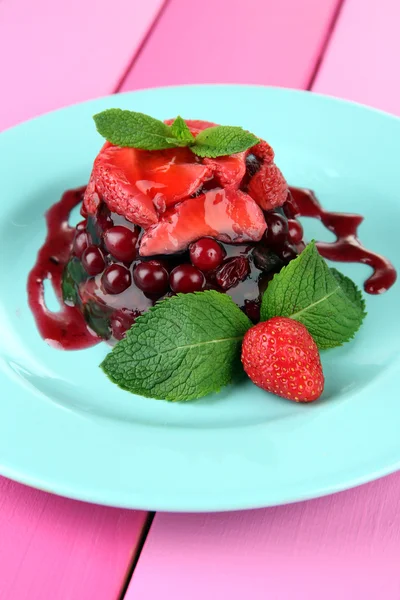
325, 301
73, 275
181, 132
134, 130
222, 140
183, 348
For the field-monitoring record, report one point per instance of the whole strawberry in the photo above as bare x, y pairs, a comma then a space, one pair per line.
281, 357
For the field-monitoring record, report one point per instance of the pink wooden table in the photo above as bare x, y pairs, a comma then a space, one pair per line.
345, 546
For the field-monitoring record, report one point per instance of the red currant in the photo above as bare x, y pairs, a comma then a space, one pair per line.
121, 243
206, 254
277, 229
186, 278
151, 277
92, 260
81, 242
116, 279
295, 231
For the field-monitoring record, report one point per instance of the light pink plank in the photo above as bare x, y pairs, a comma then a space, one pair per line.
344, 546
52, 548
56, 53
234, 41
361, 63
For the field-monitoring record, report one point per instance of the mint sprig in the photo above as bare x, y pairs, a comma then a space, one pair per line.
325, 301
133, 129
136, 130
223, 140
181, 132
183, 348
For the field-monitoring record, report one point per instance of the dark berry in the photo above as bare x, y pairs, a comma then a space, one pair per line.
185, 279
81, 242
252, 310
277, 229
121, 321
92, 260
121, 243
295, 231
206, 254
116, 279
287, 252
232, 271
265, 260
253, 164
151, 277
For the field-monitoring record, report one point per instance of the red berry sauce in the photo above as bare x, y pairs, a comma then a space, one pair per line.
347, 247
116, 285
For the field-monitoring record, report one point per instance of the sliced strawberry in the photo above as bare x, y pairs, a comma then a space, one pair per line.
228, 170
91, 199
129, 180
116, 172
268, 187
168, 176
227, 215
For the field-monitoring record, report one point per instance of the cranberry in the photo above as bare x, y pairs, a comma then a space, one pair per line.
295, 231
121, 243
232, 271
290, 207
206, 254
287, 252
82, 225
116, 279
277, 229
81, 242
252, 310
121, 321
185, 279
151, 277
92, 260
161, 263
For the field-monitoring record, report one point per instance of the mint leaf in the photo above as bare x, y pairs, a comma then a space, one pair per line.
73, 275
222, 140
350, 288
181, 132
133, 130
325, 301
183, 348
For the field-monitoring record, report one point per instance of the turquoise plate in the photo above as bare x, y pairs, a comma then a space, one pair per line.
66, 429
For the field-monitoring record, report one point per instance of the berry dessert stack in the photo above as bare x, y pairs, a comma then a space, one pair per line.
177, 220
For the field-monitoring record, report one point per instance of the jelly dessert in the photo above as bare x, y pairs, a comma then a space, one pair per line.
156, 223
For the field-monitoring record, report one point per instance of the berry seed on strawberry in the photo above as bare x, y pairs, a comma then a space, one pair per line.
281, 357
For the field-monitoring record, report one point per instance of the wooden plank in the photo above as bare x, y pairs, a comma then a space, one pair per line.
232, 41
59, 549
343, 546
53, 54
361, 62
56, 53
